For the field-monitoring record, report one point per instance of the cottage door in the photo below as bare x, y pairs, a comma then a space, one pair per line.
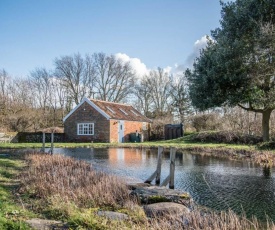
121, 132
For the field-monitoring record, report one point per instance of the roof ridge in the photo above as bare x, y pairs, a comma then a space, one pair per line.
111, 102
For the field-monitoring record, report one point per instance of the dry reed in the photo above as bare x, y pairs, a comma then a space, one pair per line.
72, 180
197, 220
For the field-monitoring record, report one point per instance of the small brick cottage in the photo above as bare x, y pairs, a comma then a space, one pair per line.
102, 121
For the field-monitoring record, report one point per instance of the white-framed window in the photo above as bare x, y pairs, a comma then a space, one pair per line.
85, 129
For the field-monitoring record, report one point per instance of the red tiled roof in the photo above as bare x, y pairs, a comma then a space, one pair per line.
120, 111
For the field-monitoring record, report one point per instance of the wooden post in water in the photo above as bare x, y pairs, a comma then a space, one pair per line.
157, 173
172, 168
160, 151
151, 178
43, 141
52, 140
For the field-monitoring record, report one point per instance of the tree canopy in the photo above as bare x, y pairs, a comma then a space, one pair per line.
237, 66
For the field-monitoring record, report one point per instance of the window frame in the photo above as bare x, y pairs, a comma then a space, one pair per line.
83, 129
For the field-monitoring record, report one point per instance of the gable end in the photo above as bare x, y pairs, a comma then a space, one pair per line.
91, 104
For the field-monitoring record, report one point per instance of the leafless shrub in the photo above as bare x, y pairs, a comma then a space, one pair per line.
229, 137
157, 127
202, 122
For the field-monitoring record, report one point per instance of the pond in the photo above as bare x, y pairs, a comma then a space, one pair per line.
216, 183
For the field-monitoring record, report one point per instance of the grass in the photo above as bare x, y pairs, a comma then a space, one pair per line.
183, 142
12, 215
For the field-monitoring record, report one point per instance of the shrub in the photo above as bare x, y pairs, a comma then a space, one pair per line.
227, 137
266, 145
203, 122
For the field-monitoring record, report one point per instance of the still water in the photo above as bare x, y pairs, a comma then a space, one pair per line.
217, 183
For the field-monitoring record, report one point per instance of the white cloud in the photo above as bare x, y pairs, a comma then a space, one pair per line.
176, 69
139, 67
168, 69
198, 45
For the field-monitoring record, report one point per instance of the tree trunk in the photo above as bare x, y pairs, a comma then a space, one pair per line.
265, 124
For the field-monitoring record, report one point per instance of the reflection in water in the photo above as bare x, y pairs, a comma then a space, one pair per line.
267, 171
215, 183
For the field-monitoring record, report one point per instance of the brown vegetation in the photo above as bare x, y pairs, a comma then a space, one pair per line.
227, 137
73, 181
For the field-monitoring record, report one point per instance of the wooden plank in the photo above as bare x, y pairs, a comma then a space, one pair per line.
160, 151
172, 168
151, 178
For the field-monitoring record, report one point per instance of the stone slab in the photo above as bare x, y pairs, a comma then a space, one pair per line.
165, 208
113, 215
42, 224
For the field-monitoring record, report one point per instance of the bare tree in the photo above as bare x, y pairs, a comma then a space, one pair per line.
3, 91
61, 93
77, 74
3, 82
160, 85
114, 78
20, 101
40, 79
142, 92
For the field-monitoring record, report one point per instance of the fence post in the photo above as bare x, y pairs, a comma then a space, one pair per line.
172, 168
52, 140
43, 140
160, 151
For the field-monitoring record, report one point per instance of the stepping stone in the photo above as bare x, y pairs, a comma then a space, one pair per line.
156, 194
113, 215
42, 224
133, 186
165, 208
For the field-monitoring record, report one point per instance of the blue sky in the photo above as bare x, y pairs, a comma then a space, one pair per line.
156, 33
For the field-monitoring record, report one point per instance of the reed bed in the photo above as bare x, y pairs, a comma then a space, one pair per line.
198, 220
71, 180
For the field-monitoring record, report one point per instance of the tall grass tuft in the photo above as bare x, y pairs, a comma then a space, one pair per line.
72, 180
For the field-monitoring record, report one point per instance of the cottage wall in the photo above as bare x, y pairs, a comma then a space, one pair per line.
87, 114
113, 131
129, 127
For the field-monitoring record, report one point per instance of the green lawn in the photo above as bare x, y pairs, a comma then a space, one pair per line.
184, 142
12, 214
